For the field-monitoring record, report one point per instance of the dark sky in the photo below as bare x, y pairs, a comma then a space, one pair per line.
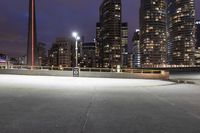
57, 18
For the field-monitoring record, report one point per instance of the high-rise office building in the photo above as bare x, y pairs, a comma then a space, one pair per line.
88, 58
110, 33
197, 33
130, 60
42, 58
136, 49
181, 31
99, 59
60, 55
153, 39
197, 53
197, 56
124, 45
32, 36
111, 36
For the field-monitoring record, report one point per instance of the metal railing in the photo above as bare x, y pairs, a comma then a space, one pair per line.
83, 69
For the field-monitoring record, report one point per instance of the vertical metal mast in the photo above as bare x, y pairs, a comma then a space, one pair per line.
31, 34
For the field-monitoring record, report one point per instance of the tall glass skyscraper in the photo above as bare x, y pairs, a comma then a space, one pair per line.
197, 53
110, 34
153, 38
32, 36
124, 45
136, 49
197, 33
181, 31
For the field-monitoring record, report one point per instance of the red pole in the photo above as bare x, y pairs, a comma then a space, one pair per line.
33, 33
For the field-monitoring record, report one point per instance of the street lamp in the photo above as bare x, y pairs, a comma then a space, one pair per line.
77, 38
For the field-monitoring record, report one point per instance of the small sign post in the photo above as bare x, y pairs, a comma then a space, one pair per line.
76, 72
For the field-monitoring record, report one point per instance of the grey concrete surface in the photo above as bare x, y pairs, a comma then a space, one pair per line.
39, 104
191, 77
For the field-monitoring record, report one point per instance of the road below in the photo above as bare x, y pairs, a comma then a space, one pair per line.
39, 104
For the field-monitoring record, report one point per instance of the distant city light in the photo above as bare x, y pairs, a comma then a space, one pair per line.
2, 61
197, 22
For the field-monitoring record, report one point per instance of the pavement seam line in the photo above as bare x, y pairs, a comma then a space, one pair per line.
88, 110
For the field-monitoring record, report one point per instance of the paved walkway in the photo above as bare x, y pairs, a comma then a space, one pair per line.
33, 104
191, 77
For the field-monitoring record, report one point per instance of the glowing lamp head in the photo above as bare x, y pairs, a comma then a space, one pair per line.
75, 34
78, 38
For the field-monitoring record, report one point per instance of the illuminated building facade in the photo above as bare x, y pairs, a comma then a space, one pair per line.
130, 60
124, 45
88, 58
197, 33
5, 62
181, 31
99, 59
110, 34
153, 38
22, 60
3, 58
197, 56
60, 55
42, 58
136, 49
197, 53
32, 36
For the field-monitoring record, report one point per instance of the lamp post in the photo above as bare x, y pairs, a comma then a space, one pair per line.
77, 38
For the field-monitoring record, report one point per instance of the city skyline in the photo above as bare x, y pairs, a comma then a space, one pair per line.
100, 66
14, 36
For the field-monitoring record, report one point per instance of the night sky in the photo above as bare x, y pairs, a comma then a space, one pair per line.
57, 18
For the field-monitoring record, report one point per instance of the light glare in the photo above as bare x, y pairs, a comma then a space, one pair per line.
75, 34
78, 38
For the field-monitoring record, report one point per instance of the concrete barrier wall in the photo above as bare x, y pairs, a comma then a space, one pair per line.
178, 70
163, 75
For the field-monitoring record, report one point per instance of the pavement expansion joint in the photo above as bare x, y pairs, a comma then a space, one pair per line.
88, 111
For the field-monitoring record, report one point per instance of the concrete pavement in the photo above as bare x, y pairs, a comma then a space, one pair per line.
191, 77
35, 104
